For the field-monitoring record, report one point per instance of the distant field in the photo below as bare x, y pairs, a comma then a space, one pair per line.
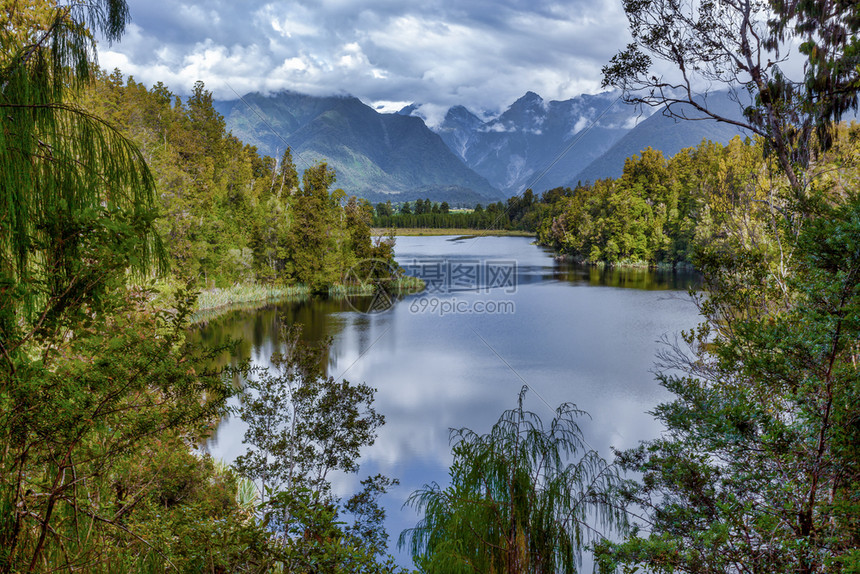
451, 231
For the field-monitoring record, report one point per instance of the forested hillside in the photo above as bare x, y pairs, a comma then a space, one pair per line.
227, 214
660, 209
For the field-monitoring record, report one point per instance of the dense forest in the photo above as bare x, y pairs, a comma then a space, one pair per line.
226, 214
108, 187
521, 213
656, 213
659, 211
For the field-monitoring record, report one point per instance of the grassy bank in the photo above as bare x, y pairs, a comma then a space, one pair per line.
214, 302
402, 285
247, 293
409, 231
243, 296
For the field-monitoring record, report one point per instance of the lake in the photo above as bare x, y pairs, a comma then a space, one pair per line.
498, 313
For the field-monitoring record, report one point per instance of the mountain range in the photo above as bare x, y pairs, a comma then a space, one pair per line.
537, 144
375, 156
465, 159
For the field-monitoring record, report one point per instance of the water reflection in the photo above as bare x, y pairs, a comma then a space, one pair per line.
428, 257
257, 333
570, 338
626, 278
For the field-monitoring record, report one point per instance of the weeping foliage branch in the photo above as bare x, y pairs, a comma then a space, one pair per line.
525, 497
65, 175
88, 376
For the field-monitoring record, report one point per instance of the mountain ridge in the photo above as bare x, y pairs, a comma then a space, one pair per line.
541, 145
530, 142
465, 159
672, 134
375, 156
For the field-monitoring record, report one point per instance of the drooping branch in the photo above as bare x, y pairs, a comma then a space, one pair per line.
741, 46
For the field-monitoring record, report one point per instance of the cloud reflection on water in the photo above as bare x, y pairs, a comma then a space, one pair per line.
569, 339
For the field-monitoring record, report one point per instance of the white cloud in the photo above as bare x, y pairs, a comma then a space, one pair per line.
388, 107
498, 127
294, 23
483, 54
197, 16
581, 123
293, 65
432, 114
352, 58
633, 121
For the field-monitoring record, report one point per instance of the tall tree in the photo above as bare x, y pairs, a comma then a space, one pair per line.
302, 426
758, 470
86, 373
741, 45
313, 228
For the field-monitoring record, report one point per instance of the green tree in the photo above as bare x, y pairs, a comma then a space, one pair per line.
384, 209
74, 414
358, 215
742, 46
303, 425
224, 210
520, 499
286, 176
367, 529
66, 177
759, 468
312, 242
271, 237
89, 376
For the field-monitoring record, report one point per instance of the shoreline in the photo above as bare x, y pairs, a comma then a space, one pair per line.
214, 302
217, 301
681, 266
430, 231
239, 293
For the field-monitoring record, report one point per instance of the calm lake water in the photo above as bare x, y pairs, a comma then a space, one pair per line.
498, 313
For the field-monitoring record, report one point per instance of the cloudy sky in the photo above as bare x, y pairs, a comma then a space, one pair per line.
480, 53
